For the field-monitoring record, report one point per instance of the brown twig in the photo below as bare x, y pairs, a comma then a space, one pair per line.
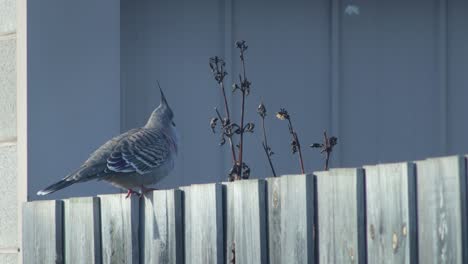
244, 86
245, 89
268, 152
226, 107
326, 147
295, 144
217, 67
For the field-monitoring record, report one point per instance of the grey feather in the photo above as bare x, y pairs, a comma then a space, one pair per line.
140, 152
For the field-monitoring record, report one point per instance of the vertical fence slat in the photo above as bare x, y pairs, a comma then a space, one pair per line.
82, 236
441, 198
391, 213
291, 219
341, 216
119, 229
245, 219
464, 208
42, 232
203, 224
161, 222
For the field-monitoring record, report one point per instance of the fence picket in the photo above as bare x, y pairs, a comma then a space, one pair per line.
291, 219
391, 213
42, 232
441, 198
203, 224
245, 221
162, 232
82, 232
119, 229
341, 216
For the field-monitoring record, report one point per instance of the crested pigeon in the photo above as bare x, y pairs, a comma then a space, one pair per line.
134, 159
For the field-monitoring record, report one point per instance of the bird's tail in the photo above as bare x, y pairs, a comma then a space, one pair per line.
70, 179
56, 186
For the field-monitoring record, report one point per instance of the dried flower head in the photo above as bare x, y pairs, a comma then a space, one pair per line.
326, 147
240, 44
217, 65
213, 123
249, 127
261, 110
282, 114
294, 146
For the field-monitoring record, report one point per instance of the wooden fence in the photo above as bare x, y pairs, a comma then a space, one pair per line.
389, 213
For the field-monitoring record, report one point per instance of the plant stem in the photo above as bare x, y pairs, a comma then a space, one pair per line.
241, 144
296, 138
327, 150
226, 107
265, 147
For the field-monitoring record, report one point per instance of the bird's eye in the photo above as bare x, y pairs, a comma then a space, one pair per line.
173, 123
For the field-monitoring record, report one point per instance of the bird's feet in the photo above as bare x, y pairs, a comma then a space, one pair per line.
131, 192
144, 190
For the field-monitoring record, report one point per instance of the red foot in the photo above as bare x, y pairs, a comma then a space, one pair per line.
130, 192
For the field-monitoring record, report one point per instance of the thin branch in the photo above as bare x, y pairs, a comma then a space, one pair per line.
295, 144
262, 112
217, 67
298, 144
326, 147
245, 89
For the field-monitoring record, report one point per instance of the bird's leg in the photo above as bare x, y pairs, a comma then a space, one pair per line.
130, 192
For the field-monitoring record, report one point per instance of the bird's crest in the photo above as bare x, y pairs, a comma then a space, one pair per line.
162, 115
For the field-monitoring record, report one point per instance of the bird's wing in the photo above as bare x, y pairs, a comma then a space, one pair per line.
141, 152
100, 155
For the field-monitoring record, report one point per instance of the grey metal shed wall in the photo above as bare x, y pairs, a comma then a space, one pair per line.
386, 77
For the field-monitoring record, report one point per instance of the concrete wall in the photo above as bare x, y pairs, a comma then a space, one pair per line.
8, 168
73, 88
386, 77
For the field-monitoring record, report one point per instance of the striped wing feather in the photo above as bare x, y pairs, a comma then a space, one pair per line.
142, 152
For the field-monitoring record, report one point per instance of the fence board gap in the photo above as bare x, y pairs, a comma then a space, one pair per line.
82, 235
161, 222
442, 205
203, 224
291, 219
391, 213
119, 229
341, 216
42, 232
245, 221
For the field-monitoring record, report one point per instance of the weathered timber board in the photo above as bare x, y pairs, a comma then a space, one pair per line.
391, 213
291, 219
441, 199
162, 231
245, 221
341, 216
203, 224
119, 229
42, 232
82, 236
